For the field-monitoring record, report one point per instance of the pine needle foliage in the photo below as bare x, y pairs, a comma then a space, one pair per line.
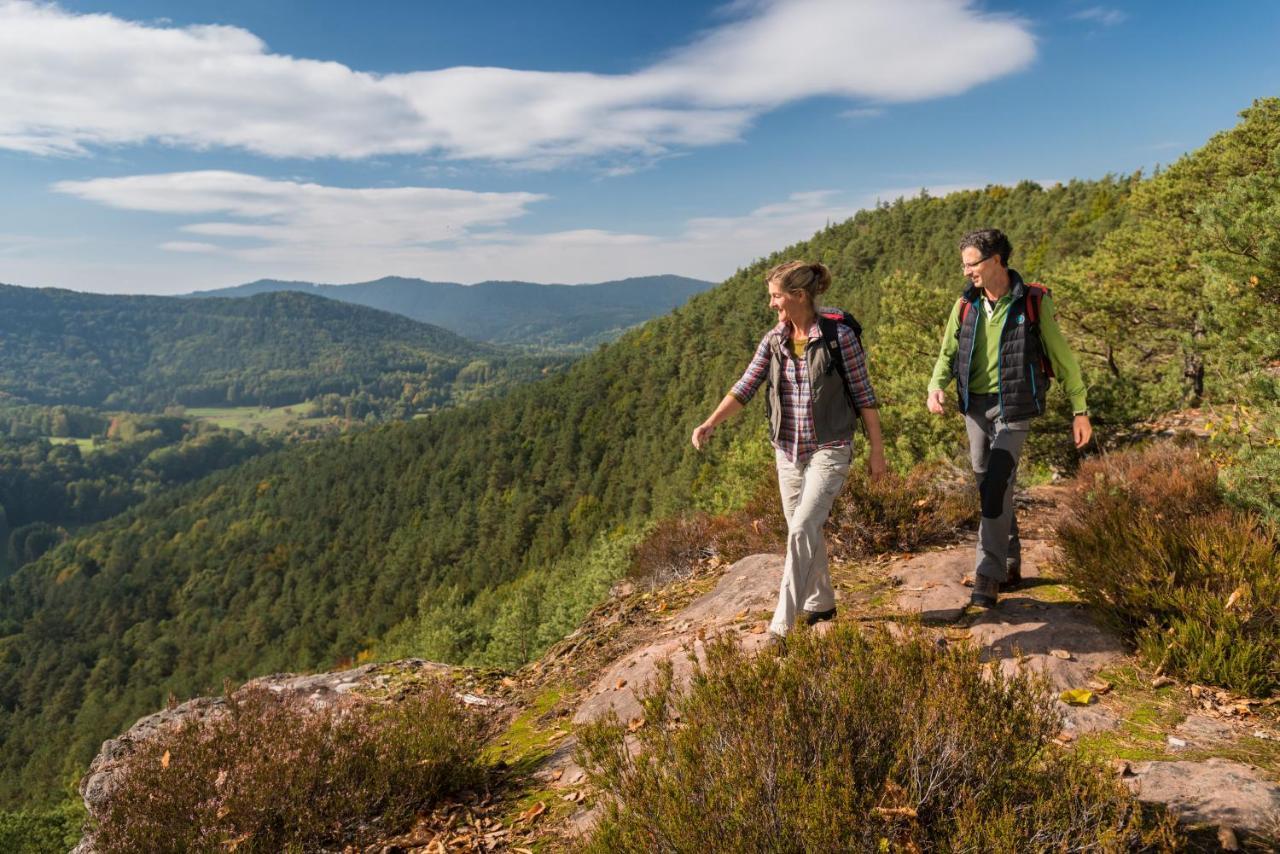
855, 742
1194, 584
272, 776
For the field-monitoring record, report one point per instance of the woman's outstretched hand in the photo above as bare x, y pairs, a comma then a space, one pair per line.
701, 433
727, 407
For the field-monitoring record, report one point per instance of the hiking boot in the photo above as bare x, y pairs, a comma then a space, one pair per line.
1013, 575
814, 617
985, 591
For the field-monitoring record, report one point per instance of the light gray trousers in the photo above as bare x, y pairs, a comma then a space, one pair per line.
808, 490
995, 446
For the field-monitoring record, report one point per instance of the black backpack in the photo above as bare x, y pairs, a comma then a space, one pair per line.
829, 321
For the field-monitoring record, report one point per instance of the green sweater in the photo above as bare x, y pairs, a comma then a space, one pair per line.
984, 372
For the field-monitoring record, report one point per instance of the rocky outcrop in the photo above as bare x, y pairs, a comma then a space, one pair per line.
1215, 792
316, 691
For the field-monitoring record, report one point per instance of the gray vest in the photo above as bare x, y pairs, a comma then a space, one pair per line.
1022, 378
833, 412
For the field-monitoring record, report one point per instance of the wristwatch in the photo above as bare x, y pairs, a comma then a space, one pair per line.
1083, 412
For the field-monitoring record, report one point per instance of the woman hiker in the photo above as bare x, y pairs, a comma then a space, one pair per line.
818, 387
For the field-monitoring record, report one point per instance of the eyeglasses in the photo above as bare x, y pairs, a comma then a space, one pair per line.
974, 265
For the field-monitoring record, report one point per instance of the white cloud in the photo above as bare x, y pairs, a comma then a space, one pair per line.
190, 246
273, 220
72, 82
1101, 15
255, 227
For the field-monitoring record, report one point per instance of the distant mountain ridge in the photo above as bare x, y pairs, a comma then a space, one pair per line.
145, 352
506, 312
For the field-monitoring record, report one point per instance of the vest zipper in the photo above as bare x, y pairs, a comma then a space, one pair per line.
1000, 359
1034, 399
973, 340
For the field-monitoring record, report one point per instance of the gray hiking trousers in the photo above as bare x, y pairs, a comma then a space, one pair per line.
808, 491
995, 446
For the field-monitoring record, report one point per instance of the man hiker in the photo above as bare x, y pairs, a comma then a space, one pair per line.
1002, 345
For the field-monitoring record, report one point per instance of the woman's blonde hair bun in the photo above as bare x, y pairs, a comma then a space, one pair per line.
793, 276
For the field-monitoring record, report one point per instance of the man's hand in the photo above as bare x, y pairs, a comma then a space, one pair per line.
701, 433
935, 401
875, 464
1081, 430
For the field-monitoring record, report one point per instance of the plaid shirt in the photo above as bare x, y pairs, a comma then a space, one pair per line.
798, 439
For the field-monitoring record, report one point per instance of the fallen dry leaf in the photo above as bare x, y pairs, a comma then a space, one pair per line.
556, 774
164, 760
532, 813
1161, 682
1060, 653
1235, 595
893, 812
636, 723
1099, 686
759, 629
622, 683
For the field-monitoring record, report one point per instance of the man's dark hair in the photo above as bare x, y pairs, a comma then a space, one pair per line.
989, 241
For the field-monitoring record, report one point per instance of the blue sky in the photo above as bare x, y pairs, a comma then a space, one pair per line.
152, 147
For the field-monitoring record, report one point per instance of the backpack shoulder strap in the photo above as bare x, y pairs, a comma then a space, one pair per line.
831, 340
965, 307
829, 322
1035, 295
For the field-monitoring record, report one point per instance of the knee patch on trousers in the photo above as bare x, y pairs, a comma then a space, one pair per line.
995, 483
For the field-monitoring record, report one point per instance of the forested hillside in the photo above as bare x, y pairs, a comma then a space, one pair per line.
564, 317
50, 487
483, 533
144, 353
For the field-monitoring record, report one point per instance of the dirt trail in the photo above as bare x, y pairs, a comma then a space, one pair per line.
1215, 765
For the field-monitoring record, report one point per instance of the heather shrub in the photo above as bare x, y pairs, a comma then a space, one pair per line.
899, 513
895, 514
269, 775
1194, 584
854, 742
674, 545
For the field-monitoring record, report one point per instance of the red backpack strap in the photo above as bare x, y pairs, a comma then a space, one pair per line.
1035, 294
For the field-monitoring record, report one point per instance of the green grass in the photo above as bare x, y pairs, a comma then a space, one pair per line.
1148, 716
534, 733
248, 418
86, 446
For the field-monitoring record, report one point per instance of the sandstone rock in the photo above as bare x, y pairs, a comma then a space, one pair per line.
1213, 792
749, 586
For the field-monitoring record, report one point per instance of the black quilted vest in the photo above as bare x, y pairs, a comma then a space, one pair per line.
1023, 381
